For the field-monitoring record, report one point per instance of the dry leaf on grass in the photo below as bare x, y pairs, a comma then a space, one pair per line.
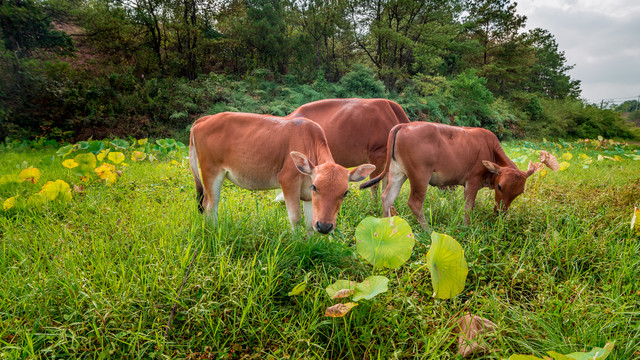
471, 328
343, 293
549, 160
339, 310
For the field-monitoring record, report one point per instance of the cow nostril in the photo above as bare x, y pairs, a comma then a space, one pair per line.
323, 228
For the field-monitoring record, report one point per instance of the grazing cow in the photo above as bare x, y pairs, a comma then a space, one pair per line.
260, 152
357, 129
444, 155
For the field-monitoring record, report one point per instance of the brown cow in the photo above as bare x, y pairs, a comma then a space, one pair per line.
444, 155
357, 129
260, 152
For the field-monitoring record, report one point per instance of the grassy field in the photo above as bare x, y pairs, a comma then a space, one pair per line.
97, 276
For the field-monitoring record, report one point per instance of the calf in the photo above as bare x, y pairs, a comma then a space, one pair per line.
443, 155
357, 129
260, 152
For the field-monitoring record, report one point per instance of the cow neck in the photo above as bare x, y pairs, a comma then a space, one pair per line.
502, 159
322, 154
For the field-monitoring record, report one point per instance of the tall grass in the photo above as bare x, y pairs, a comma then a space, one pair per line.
97, 277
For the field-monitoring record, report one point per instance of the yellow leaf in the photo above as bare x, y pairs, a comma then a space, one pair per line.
142, 141
105, 170
634, 225
31, 174
564, 165
69, 163
567, 156
618, 158
58, 189
101, 155
11, 202
600, 138
138, 156
116, 157
339, 310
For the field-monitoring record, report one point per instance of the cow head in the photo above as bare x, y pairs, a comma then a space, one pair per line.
508, 182
330, 185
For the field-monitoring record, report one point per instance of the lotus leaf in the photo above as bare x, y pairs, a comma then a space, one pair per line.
10, 202
386, 242
339, 310
142, 141
58, 189
65, 150
370, 287
69, 163
31, 174
120, 144
102, 154
138, 156
86, 163
447, 265
116, 157
334, 288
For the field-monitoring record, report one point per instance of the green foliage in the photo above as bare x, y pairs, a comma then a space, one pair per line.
385, 242
360, 82
447, 265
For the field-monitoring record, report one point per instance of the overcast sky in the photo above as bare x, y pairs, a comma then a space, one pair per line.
602, 39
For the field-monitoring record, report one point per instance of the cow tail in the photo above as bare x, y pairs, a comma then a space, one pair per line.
193, 161
400, 114
391, 144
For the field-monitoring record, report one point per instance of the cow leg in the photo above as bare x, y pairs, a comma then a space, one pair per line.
395, 180
470, 193
212, 183
308, 214
292, 201
417, 195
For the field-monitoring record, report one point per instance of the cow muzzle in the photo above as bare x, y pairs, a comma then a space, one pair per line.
324, 228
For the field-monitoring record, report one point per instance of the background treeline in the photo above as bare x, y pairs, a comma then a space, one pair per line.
72, 69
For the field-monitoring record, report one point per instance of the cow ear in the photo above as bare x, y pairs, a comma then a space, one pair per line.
533, 167
303, 164
492, 167
361, 172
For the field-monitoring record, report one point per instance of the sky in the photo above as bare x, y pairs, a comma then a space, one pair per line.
600, 37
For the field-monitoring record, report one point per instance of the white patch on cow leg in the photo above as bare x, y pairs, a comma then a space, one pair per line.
279, 198
214, 201
293, 208
396, 178
308, 214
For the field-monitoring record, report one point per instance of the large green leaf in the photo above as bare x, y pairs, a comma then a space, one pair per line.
65, 150
370, 287
523, 357
120, 144
595, 353
333, 289
447, 265
386, 242
86, 163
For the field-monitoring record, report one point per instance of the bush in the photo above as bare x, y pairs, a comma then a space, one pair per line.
360, 82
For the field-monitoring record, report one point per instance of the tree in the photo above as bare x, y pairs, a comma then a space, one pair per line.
549, 72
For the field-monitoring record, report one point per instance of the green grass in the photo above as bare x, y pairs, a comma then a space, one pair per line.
97, 277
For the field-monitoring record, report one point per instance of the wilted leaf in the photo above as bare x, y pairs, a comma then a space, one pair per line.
298, 289
10, 202
58, 189
370, 287
31, 174
549, 160
138, 156
107, 172
386, 242
333, 289
78, 189
471, 329
339, 310
343, 294
567, 156
448, 267
69, 163
116, 157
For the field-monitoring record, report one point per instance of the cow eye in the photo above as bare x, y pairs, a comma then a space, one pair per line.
313, 187
346, 193
499, 187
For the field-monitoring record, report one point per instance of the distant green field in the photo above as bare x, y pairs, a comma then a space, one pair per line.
96, 275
